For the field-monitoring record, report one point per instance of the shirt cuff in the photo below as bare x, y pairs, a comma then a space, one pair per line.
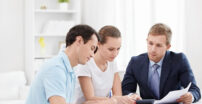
192, 98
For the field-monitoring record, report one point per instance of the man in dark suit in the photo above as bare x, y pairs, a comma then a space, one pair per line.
160, 71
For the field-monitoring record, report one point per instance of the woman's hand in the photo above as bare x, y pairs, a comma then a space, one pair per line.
123, 100
135, 96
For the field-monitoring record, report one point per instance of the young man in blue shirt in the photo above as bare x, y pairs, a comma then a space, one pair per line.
55, 82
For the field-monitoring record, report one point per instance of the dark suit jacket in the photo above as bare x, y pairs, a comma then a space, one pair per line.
175, 74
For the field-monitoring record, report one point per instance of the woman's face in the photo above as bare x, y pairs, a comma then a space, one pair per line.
110, 49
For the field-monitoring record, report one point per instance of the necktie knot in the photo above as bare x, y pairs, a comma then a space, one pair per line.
155, 66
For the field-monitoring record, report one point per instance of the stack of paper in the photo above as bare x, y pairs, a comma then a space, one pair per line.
172, 96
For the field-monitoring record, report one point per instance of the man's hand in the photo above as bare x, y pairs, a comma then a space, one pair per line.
186, 98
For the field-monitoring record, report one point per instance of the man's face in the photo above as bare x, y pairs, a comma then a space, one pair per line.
156, 46
86, 51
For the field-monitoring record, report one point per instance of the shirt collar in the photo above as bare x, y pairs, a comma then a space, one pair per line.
159, 63
66, 61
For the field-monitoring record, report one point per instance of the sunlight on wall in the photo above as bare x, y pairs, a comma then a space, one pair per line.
135, 17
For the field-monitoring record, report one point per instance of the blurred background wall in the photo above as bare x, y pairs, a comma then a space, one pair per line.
132, 17
11, 35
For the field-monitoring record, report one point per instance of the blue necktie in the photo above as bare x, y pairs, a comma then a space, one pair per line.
155, 80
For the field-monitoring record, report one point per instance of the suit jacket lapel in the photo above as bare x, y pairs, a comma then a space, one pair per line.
164, 71
145, 71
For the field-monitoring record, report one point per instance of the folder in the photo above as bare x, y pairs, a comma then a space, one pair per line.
145, 101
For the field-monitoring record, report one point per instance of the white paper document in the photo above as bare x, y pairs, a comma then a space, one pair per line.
172, 96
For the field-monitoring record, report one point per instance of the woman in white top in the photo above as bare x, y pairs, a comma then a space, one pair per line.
100, 75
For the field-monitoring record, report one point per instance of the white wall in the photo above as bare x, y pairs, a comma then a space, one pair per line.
95, 13
11, 35
98, 13
102, 14
194, 37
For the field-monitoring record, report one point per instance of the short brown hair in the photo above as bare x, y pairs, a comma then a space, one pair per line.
108, 31
82, 30
161, 29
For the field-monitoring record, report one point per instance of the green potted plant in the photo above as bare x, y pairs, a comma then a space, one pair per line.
63, 4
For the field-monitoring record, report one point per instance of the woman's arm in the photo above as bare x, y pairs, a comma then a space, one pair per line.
116, 88
117, 92
57, 100
88, 90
